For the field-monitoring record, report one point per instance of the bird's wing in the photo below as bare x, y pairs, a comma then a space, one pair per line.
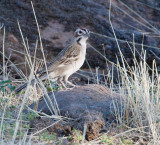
65, 57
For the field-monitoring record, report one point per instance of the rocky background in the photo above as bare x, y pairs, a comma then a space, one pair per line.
58, 19
94, 105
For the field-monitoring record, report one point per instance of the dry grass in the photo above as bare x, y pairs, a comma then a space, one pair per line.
139, 85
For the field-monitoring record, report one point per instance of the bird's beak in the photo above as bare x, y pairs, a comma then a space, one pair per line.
87, 34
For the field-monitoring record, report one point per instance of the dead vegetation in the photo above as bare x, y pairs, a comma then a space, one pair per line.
136, 123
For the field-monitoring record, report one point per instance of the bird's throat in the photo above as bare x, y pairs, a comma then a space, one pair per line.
82, 42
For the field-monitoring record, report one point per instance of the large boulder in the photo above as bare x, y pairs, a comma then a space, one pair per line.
90, 105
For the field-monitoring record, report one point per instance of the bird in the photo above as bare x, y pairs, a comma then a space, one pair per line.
67, 62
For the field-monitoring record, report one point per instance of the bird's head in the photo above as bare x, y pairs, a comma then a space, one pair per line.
81, 35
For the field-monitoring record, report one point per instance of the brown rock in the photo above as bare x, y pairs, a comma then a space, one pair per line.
94, 122
12, 38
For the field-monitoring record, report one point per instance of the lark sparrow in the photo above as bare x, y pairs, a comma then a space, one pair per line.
68, 61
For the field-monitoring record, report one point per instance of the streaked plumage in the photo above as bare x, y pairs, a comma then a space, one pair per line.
67, 62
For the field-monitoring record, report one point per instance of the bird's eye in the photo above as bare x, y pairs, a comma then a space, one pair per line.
80, 32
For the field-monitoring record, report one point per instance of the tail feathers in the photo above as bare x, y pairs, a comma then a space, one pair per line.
23, 87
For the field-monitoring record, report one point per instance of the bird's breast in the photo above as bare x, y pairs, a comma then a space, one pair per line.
72, 65
76, 65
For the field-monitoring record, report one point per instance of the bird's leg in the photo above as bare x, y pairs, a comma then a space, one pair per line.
68, 82
61, 81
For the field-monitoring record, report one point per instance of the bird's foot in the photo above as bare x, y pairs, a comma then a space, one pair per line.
69, 83
71, 88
